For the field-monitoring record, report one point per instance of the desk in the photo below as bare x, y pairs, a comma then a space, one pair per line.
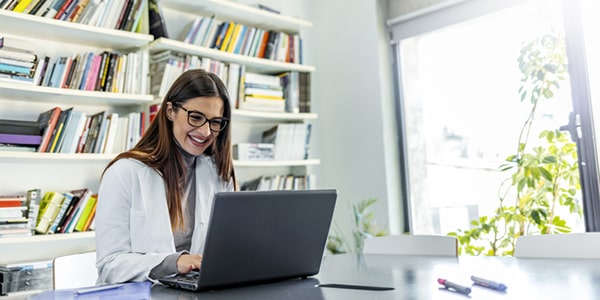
415, 277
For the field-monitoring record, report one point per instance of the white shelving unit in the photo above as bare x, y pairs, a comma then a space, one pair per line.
66, 32
239, 13
258, 64
42, 247
70, 171
57, 171
42, 94
247, 126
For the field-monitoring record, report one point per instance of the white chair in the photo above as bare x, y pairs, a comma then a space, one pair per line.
570, 245
74, 271
432, 245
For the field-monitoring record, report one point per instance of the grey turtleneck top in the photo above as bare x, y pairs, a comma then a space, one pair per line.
182, 238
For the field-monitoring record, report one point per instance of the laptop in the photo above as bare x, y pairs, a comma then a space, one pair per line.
261, 236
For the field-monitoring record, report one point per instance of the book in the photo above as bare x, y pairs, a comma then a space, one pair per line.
16, 44
157, 24
76, 197
227, 37
49, 207
58, 133
17, 55
304, 92
12, 200
20, 139
253, 151
33, 199
85, 213
68, 198
40, 69
290, 81
47, 122
74, 132
26, 265
93, 131
68, 130
19, 127
84, 195
13, 213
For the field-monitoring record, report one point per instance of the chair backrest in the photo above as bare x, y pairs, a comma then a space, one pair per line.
570, 245
433, 245
74, 271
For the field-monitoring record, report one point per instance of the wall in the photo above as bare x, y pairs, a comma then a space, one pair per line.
404, 7
352, 92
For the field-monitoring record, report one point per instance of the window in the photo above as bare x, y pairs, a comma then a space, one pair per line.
461, 109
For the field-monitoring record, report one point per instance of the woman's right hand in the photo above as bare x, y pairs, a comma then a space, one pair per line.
188, 262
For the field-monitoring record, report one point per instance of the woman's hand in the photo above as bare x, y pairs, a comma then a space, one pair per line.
188, 262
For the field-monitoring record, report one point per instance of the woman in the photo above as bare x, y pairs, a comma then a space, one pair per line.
155, 199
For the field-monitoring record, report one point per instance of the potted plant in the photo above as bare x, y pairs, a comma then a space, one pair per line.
363, 226
544, 177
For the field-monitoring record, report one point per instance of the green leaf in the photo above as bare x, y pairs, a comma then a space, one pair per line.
545, 173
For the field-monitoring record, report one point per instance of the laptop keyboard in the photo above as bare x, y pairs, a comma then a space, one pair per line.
191, 277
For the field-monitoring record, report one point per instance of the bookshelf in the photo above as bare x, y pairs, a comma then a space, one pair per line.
42, 247
258, 64
247, 125
60, 172
239, 13
65, 171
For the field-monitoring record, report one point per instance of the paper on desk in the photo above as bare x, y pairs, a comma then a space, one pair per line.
128, 291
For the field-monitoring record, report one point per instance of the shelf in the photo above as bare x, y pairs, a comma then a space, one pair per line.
38, 157
232, 11
246, 115
67, 32
276, 163
260, 64
34, 93
49, 246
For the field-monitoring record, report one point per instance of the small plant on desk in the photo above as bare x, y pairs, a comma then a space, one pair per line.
363, 227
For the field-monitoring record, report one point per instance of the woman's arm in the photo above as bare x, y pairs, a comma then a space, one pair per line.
116, 223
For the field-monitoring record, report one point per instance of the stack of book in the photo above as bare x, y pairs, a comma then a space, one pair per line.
279, 182
24, 277
106, 71
19, 135
17, 60
304, 92
13, 216
291, 140
237, 38
66, 212
290, 82
166, 66
127, 15
72, 131
253, 151
262, 92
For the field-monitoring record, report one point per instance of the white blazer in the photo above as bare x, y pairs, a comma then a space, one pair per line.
133, 228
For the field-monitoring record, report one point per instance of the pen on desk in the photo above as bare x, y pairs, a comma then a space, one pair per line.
99, 288
489, 283
454, 286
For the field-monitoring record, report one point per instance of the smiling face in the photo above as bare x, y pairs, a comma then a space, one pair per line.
195, 140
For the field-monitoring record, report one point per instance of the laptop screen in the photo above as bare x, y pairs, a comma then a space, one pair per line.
258, 236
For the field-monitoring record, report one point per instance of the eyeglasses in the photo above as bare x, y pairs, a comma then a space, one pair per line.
198, 119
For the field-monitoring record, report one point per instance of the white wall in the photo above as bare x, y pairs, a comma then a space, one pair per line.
352, 93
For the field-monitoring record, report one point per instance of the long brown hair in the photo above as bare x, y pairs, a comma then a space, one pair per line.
157, 148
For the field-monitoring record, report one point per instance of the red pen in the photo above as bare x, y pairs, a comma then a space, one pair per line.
454, 286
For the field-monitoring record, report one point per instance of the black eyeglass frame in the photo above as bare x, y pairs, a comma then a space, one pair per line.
222, 123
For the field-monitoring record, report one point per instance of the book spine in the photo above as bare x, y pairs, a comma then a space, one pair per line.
33, 206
